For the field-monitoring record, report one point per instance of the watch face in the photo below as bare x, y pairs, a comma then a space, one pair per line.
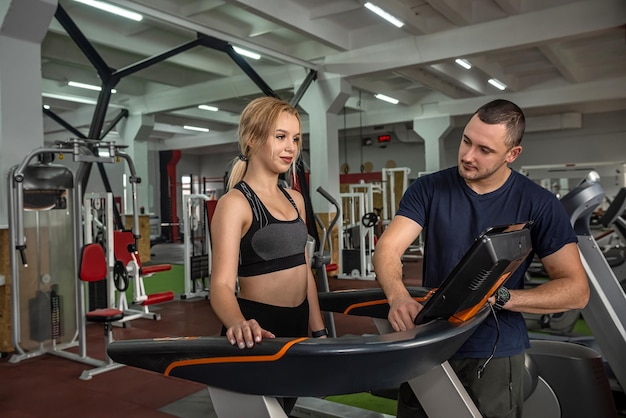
503, 294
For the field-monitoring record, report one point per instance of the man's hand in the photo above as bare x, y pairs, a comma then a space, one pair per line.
402, 313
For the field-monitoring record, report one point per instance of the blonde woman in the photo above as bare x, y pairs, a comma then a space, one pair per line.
259, 235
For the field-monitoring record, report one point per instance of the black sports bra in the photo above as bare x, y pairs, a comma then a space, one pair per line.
270, 244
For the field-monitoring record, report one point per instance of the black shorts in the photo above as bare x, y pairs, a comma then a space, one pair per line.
279, 320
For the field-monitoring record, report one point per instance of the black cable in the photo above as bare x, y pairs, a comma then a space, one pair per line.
481, 369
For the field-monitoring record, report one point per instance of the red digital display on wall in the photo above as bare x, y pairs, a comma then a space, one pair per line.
384, 138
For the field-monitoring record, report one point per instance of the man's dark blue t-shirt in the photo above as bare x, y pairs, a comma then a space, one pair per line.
453, 216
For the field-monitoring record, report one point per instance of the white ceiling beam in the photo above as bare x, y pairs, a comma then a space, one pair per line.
236, 86
427, 79
189, 24
514, 32
219, 116
458, 12
331, 9
199, 6
149, 46
183, 142
495, 70
511, 7
471, 81
603, 90
295, 17
565, 64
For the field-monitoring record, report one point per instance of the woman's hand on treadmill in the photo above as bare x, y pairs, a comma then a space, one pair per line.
246, 333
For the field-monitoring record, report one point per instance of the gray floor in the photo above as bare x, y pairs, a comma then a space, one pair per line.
199, 405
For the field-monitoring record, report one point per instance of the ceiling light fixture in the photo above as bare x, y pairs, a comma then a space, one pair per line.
69, 98
75, 99
87, 86
195, 128
112, 9
246, 53
463, 63
386, 98
206, 107
497, 84
388, 17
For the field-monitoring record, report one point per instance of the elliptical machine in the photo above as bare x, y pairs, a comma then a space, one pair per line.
574, 371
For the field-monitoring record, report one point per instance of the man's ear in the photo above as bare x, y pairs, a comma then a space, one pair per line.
513, 153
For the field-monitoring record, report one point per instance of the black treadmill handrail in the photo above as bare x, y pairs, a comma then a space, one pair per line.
291, 366
328, 230
616, 208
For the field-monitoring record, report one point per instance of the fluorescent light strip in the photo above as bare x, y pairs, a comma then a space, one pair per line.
497, 84
463, 63
87, 86
386, 98
210, 108
112, 9
75, 99
195, 128
380, 12
246, 53
69, 98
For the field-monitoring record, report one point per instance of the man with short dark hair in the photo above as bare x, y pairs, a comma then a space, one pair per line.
450, 208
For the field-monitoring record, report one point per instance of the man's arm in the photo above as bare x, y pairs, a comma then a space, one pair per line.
567, 289
387, 261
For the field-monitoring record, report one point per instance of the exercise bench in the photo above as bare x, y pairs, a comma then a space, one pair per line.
93, 268
128, 264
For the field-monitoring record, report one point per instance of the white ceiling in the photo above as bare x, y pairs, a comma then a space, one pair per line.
556, 57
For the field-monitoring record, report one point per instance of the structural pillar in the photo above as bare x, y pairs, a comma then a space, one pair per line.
433, 131
134, 131
323, 101
23, 25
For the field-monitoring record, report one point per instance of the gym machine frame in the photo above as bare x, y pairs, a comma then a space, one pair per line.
192, 264
388, 190
360, 205
84, 152
606, 311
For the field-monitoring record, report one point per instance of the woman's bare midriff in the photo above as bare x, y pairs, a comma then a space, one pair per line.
280, 288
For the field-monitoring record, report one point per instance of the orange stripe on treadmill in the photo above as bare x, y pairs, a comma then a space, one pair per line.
381, 301
470, 312
233, 359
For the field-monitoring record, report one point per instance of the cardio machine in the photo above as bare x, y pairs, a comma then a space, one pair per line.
305, 367
614, 218
321, 259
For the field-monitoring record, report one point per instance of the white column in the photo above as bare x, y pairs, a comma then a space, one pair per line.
23, 25
134, 131
433, 131
323, 101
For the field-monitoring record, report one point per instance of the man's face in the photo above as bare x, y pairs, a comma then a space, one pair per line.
483, 150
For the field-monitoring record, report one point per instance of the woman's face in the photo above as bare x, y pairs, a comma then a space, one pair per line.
281, 148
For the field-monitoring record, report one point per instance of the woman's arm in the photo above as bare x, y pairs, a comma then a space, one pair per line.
231, 218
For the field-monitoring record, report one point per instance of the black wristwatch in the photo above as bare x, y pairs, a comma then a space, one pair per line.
502, 297
321, 333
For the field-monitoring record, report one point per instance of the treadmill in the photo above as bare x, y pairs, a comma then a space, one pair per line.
246, 382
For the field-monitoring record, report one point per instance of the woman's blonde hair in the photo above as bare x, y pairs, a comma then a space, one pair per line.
256, 123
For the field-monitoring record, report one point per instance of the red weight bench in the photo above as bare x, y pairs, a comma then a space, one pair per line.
125, 250
93, 268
